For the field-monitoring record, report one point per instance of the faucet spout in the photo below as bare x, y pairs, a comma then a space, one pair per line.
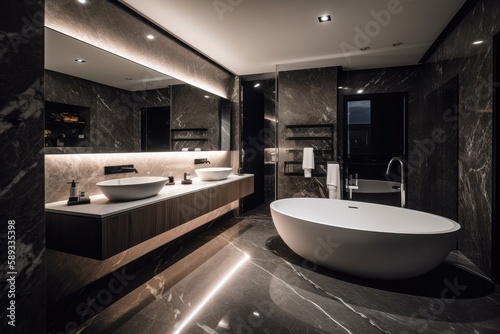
130, 169
402, 189
398, 159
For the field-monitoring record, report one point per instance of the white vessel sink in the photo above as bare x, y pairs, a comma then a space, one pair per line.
213, 173
132, 188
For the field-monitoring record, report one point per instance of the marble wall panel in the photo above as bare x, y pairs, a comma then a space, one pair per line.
305, 97
21, 184
194, 108
474, 66
88, 169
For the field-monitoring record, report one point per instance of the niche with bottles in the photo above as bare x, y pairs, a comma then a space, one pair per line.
66, 125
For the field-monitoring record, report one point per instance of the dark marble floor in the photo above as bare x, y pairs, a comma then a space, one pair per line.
239, 277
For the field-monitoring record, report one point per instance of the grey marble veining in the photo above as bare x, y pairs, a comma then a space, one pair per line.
459, 165
474, 66
114, 113
88, 169
305, 97
276, 291
21, 183
194, 108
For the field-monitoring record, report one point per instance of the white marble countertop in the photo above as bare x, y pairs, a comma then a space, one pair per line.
101, 207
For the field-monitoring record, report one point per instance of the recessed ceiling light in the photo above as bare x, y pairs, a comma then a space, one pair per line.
366, 48
340, 87
359, 91
79, 60
206, 96
82, 1
324, 18
150, 36
477, 42
257, 85
397, 44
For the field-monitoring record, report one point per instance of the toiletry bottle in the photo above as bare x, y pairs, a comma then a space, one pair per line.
73, 191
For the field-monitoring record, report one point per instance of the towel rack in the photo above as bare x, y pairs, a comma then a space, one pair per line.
321, 141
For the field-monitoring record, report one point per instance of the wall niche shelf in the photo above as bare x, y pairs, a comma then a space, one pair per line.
66, 125
197, 130
317, 136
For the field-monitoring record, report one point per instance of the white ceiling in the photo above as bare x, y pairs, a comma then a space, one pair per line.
253, 36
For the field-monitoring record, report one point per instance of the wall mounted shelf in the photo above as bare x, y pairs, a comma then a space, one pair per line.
310, 135
189, 129
66, 125
189, 139
196, 130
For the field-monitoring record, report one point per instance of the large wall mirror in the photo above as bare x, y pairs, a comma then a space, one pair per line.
97, 102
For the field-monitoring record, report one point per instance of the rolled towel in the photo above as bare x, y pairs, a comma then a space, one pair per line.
308, 161
197, 149
185, 149
333, 180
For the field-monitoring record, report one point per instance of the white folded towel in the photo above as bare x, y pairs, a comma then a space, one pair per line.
333, 180
308, 161
197, 149
185, 149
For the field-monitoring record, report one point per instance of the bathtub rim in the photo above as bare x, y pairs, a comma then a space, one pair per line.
456, 226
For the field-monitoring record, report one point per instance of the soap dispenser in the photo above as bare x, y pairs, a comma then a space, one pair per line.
186, 180
73, 191
170, 179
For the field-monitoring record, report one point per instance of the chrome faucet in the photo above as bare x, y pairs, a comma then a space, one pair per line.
351, 184
402, 189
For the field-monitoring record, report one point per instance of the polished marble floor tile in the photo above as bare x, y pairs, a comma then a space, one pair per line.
239, 277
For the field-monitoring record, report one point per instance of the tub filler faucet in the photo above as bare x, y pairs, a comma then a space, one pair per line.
351, 184
402, 188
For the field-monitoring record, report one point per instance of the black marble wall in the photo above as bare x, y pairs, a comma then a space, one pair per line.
114, 113
473, 64
305, 97
21, 185
195, 108
449, 143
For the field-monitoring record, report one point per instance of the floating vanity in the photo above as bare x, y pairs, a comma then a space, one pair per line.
103, 228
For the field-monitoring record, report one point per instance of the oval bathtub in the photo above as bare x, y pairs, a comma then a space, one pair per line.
364, 239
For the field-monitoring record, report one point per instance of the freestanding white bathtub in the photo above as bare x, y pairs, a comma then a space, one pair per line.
364, 239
